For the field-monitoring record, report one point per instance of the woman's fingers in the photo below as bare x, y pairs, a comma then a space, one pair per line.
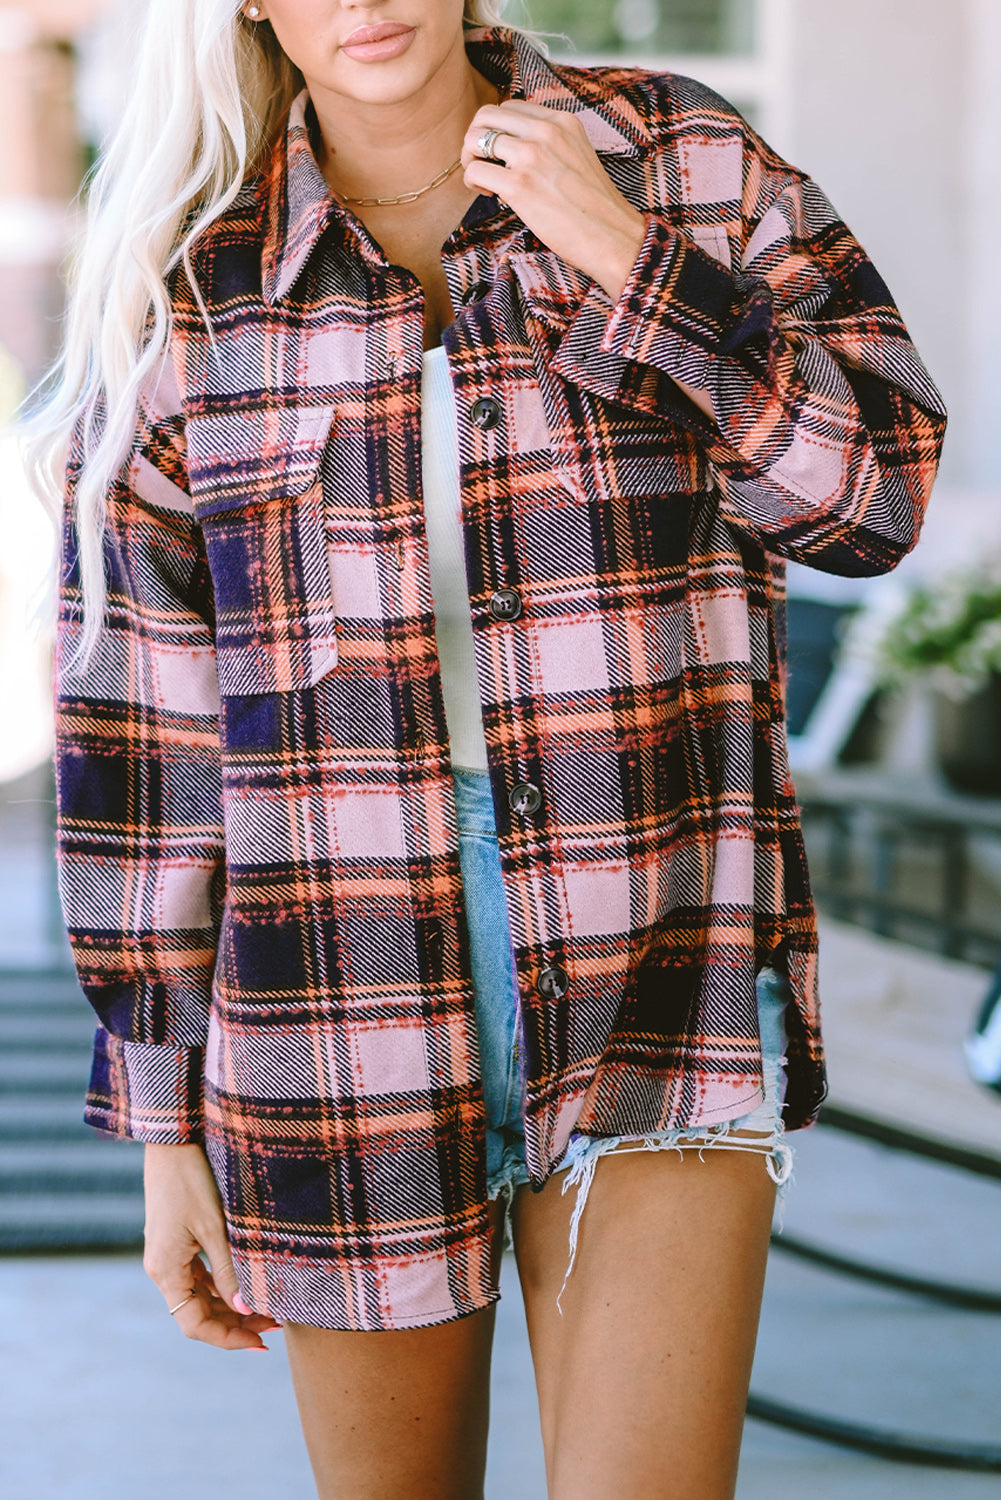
206, 1317
214, 1243
525, 122
491, 177
549, 174
184, 1218
221, 1281
229, 1293
210, 1320
526, 109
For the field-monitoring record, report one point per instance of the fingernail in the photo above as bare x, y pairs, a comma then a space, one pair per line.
240, 1305
258, 1348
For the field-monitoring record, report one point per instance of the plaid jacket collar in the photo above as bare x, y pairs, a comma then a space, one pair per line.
299, 207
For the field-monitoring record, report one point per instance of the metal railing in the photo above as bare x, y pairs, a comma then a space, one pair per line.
859, 825
901, 1447
866, 823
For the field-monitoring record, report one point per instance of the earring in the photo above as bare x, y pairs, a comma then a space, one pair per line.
253, 11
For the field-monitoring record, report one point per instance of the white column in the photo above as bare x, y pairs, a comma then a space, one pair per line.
979, 279
879, 112
38, 175
775, 49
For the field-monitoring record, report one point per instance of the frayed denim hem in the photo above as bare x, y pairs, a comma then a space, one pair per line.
760, 1132
764, 1137
501, 1185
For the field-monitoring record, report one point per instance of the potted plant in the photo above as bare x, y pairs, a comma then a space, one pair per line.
949, 634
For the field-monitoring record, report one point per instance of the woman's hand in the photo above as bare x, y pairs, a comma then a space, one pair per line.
556, 185
553, 180
183, 1217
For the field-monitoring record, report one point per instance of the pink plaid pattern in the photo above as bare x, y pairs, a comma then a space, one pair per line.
256, 826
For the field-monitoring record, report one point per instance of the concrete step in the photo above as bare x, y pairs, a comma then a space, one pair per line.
40, 988
71, 1168
44, 1008
28, 1074
80, 1221
37, 1118
62, 1184
46, 1031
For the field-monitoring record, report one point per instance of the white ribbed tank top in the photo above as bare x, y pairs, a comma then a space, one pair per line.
446, 559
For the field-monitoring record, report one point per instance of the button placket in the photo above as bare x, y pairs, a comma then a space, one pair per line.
524, 799
485, 413
474, 293
505, 604
553, 982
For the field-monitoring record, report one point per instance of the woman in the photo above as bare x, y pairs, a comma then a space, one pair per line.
441, 419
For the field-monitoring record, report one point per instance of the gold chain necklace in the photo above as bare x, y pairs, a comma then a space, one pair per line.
404, 197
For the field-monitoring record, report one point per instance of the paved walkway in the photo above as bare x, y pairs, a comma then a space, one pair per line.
102, 1395
894, 1020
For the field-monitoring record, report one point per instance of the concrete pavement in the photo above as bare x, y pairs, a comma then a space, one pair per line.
103, 1396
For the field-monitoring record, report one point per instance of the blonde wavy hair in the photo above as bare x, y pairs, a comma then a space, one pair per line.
209, 96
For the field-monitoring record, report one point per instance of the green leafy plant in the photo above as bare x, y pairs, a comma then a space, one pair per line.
949, 633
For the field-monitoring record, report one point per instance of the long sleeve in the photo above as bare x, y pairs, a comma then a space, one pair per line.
828, 427
139, 821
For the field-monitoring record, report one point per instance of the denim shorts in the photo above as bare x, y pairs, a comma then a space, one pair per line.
495, 995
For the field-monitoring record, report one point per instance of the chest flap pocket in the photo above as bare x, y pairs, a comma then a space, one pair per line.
614, 423
257, 489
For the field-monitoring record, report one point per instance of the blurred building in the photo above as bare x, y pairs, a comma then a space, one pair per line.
894, 105
41, 160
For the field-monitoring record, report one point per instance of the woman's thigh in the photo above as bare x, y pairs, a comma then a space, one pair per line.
643, 1376
395, 1414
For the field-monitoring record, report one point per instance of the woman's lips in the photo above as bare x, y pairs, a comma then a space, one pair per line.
374, 43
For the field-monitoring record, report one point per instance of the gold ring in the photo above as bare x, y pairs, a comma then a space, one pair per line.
485, 145
187, 1299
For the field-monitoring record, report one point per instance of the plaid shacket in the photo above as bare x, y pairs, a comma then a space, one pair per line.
257, 833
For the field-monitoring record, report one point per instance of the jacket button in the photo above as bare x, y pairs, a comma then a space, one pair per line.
524, 799
505, 604
485, 412
475, 292
553, 983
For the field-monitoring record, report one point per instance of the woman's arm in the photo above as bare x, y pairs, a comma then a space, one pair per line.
139, 820
823, 426
140, 851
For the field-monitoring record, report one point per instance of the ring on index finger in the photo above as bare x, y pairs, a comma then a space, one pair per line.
485, 145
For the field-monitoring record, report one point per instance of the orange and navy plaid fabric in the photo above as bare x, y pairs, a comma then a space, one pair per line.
257, 831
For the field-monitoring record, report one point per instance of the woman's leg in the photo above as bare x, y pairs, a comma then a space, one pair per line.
643, 1378
396, 1415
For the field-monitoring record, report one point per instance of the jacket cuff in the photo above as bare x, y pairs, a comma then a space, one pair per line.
680, 311
146, 1091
